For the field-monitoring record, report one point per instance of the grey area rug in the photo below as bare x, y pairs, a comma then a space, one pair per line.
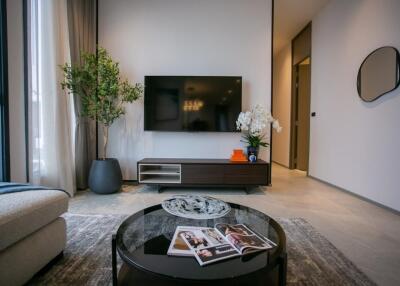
312, 259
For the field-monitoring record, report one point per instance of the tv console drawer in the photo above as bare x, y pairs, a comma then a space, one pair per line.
226, 174
246, 174
202, 174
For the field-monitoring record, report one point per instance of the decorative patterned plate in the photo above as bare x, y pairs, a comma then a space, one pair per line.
195, 207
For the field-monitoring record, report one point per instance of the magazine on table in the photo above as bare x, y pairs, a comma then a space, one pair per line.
178, 246
224, 241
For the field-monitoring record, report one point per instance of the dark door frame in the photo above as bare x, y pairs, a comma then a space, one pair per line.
293, 108
272, 89
4, 113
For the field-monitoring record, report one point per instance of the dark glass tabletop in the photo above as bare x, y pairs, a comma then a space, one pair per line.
143, 240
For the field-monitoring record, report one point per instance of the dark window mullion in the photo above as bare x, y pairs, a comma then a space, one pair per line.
4, 128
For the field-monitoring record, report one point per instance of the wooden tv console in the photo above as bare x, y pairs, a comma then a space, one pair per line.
202, 173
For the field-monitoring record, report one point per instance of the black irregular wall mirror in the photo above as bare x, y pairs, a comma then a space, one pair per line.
379, 73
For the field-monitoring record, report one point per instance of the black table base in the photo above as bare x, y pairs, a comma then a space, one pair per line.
129, 275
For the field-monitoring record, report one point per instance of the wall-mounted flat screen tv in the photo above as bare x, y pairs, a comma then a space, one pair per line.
192, 103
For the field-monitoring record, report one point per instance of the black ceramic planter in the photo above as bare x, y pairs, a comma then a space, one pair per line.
252, 153
105, 176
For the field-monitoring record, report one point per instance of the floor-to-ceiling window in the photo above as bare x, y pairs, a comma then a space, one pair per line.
34, 102
49, 108
4, 137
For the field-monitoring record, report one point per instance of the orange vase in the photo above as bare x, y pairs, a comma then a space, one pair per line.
238, 156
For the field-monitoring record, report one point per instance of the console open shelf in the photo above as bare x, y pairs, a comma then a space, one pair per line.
159, 173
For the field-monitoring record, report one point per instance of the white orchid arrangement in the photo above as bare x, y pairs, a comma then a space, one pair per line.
253, 123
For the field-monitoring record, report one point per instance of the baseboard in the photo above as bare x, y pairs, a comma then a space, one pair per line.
280, 164
130, 182
357, 195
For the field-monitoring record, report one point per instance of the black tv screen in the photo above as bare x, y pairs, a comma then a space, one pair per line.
192, 103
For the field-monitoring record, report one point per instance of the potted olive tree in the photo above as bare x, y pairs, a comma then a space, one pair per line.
103, 94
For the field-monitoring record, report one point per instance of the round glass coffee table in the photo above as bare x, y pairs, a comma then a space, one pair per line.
143, 239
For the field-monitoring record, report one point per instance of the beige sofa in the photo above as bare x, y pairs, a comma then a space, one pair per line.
32, 233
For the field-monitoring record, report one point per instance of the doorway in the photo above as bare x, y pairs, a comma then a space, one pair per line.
302, 98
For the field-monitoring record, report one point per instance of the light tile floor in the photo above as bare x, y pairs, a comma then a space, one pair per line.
367, 234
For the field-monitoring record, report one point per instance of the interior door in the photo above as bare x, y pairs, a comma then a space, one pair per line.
303, 96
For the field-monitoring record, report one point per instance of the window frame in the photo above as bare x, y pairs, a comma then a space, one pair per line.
4, 106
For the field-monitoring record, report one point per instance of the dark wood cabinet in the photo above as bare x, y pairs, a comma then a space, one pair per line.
246, 174
202, 172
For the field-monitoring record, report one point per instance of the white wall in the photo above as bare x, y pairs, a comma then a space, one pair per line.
354, 145
16, 90
185, 37
282, 94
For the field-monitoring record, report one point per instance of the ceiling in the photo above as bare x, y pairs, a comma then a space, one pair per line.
290, 17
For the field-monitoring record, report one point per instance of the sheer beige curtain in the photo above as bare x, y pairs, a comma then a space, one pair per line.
50, 113
82, 36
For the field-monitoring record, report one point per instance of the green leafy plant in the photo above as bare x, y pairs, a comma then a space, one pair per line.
103, 93
254, 140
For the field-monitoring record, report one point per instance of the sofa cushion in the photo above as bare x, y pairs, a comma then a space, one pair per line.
25, 212
20, 261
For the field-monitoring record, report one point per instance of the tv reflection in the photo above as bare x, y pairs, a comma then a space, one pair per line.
192, 116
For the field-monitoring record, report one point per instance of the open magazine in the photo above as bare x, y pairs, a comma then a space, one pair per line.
224, 241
